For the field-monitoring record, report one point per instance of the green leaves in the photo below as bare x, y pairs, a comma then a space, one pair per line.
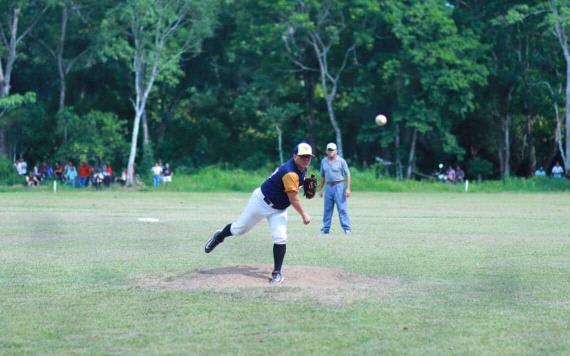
93, 135
16, 100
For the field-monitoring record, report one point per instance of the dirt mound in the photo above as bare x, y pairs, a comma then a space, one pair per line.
321, 285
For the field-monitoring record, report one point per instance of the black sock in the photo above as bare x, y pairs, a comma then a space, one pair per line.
225, 232
278, 256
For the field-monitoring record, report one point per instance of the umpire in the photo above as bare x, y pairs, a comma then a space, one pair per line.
336, 177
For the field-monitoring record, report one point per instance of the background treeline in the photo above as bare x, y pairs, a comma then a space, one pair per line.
478, 83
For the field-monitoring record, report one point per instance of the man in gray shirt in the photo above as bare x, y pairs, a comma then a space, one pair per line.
336, 177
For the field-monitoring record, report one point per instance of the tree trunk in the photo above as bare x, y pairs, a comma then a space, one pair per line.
505, 171
133, 152
531, 146
562, 37
60, 60
146, 138
399, 170
506, 126
280, 142
567, 114
310, 101
336, 127
412, 155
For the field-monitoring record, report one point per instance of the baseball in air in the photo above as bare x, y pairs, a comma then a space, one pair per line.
381, 120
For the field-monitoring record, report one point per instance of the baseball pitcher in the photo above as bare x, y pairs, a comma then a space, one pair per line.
270, 201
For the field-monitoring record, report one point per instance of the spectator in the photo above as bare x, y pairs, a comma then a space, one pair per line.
540, 172
70, 174
156, 174
557, 170
107, 174
167, 173
123, 178
37, 173
97, 178
459, 174
32, 180
451, 176
84, 174
21, 167
59, 171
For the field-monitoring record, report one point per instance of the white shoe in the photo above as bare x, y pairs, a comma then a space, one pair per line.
276, 277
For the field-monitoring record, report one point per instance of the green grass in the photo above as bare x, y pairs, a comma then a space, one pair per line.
479, 274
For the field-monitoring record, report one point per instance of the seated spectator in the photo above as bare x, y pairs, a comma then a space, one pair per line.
459, 174
107, 174
71, 175
32, 180
451, 174
557, 171
58, 171
43, 170
123, 178
540, 172
167, 173
97, 179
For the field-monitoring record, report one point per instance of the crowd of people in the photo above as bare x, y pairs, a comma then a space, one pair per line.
451, 175
556, 172
84, 175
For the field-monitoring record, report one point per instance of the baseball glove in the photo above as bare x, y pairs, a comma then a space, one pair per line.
310, 187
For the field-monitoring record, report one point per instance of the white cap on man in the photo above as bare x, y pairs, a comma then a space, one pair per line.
304, 149
331, 146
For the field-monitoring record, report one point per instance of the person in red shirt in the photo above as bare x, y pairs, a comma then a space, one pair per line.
84, 174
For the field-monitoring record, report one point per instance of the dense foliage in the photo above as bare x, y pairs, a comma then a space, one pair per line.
471, 82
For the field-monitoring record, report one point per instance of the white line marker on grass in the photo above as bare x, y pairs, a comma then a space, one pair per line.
148, 220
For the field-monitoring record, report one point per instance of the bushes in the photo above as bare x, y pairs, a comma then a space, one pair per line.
8, 175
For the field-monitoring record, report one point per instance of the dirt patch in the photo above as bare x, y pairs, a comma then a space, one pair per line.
313, 284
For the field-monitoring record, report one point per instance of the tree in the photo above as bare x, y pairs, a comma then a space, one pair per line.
155, 35
11, 37
68, 36
320, 25
433, 73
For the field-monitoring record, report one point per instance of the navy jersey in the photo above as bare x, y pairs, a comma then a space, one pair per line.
286, 178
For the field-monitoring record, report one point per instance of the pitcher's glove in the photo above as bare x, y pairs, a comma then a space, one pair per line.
310, 187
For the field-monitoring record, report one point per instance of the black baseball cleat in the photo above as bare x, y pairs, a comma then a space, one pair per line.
276, 277
213, 242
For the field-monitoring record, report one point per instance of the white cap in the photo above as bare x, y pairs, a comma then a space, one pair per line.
304, 149
331, 146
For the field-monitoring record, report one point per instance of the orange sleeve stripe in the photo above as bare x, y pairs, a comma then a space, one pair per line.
291, 182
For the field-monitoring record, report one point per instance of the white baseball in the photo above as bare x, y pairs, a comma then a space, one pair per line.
381, 120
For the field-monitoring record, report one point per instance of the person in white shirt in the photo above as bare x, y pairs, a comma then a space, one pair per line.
557, 170
156, 174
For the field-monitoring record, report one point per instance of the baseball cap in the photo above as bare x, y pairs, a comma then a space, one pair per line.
331, 146
303, 149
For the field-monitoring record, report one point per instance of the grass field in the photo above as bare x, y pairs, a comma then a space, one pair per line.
475, 274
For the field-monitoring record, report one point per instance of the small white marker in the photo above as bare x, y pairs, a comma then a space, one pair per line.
55, 186
148, 220
466, 185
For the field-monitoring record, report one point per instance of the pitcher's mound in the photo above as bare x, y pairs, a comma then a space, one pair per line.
323, 285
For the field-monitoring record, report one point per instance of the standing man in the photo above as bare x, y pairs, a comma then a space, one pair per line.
336, 176
270, 201
156, 174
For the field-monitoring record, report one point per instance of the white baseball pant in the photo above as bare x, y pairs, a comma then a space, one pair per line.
255, 211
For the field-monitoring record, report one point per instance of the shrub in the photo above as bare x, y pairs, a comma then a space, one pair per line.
479, 168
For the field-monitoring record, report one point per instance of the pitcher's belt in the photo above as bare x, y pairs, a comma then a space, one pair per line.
335, 182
